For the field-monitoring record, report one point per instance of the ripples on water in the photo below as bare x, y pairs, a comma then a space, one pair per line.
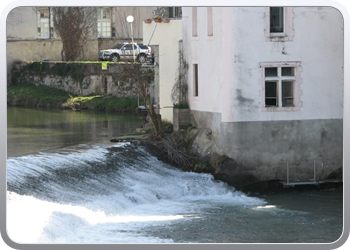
121, 194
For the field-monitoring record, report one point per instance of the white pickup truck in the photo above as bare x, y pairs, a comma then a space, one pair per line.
124, 52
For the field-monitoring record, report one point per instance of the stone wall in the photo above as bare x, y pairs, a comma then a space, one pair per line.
77, 78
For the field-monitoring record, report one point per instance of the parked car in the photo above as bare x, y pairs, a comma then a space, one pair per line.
125, 53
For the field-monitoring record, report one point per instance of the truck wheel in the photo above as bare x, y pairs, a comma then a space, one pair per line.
142, 58
115, 58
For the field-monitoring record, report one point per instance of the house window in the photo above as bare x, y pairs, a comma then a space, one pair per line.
44, 25
194, 22
276, 20
210, 20
195, 79
279, 24
104, 22
174, 12
281, 86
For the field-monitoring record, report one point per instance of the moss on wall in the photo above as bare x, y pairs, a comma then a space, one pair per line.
75, 70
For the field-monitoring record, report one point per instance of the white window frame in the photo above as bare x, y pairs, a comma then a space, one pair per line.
278, 34
288, 32
296, 79
42, 21
100, 21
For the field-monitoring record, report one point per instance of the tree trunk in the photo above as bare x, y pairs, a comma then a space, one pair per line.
156, 118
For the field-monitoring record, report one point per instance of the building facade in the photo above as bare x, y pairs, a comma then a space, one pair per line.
268, 83
31, 34
168, 38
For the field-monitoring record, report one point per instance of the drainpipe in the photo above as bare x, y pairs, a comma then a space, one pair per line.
180, 44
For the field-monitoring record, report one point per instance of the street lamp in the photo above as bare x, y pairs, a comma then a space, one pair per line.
130, 19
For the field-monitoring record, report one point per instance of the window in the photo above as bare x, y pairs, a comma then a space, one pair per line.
129, 47
194, 22
279, 24
281, 86
174, 12
104, 22
44, 23
210, 20
276, 20
195, 79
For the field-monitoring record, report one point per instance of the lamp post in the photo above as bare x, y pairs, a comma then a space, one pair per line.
130, 19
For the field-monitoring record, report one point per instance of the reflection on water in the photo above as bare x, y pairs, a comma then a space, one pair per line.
33, 130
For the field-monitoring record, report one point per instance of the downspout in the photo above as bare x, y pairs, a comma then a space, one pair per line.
180, 84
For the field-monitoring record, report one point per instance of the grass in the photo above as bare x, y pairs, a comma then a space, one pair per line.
99, 102
41, 96
31, 95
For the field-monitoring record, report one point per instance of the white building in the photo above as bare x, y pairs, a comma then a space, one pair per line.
168, 38
268, 82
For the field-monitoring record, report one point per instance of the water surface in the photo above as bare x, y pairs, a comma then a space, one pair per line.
33, 130
66, 183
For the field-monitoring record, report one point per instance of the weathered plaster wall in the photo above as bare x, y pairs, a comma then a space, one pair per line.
22, 23
227, 111
229, 62
317, 44
166, 36
262, 149
212, 54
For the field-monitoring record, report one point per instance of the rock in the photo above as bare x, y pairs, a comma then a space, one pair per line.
114, 140
139, 130
203, 168
336, 174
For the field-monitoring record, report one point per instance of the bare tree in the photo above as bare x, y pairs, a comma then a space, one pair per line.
139, 77
73, 25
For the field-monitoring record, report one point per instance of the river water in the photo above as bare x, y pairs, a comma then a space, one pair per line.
66, 183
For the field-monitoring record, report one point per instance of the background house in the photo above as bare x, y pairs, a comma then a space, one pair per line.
31, 34
167, 37
268, 84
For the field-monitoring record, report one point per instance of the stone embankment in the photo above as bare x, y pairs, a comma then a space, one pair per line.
221, 167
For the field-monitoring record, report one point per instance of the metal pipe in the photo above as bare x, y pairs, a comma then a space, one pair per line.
314, 170
287, 173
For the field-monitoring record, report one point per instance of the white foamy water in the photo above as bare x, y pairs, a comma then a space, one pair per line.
107, 195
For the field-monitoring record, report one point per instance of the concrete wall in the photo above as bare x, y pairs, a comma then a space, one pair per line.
230, 97
262, 149
166, 36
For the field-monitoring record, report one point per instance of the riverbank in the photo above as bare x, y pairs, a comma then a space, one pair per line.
29, 95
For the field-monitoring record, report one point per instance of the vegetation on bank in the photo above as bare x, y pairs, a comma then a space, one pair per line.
100, 102
33, 96
42, 96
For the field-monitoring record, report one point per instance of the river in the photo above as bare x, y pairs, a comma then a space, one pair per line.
66, 183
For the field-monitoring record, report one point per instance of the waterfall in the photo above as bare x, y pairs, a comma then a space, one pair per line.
101, 194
